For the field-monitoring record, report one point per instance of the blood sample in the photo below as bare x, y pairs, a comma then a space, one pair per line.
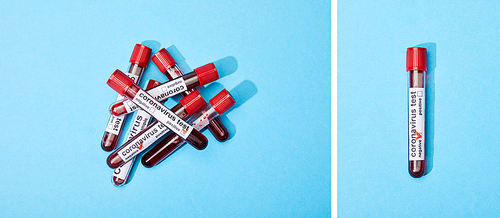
139, 61
141, 121
219, 104
168, 66
125, 86
199, 77
186, 107
416, 66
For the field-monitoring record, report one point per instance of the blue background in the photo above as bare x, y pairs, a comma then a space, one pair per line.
57, 56
463, 94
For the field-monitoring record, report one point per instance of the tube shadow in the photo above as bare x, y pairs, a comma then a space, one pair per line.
241, 93
430, 103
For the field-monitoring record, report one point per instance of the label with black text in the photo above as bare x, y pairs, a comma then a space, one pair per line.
416, 124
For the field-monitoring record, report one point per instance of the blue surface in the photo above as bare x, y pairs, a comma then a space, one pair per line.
57, 56
462, 38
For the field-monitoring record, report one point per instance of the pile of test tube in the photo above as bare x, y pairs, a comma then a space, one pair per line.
154, 123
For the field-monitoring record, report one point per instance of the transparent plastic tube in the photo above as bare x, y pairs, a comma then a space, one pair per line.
141, 121
139, 61
416, 66
199, 77
186, 107
168, 66
218, 106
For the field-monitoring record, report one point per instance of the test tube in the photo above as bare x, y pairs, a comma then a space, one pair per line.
141, 121
199, 77
138, 63
168, 66
168, 120
416, 66
219, 104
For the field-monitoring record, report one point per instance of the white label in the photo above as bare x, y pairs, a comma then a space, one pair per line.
115, 124
130, 149
203, 120
416, 124
162, 114
122, 172
161, 92
130, 106
169, 89
141, 121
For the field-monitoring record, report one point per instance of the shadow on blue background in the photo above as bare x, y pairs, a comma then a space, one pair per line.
430, 103
225, 67
241, 93
181, 60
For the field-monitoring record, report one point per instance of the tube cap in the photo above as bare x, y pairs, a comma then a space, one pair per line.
193, 102
119, 82
416, 58
163, 60
207, 73
140, 55
152, 83
222, 102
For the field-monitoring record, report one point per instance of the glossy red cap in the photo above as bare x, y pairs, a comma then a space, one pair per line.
193, 102
416, 58
207, 73
222, 102
140, 55
163, 60
119, 82
152, 83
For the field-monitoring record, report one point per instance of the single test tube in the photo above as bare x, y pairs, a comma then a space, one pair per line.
138, 63
141, 121
219, 104
168, 66
199, 77
186, 107
416, 65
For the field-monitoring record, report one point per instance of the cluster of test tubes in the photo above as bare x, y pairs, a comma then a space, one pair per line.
156, 130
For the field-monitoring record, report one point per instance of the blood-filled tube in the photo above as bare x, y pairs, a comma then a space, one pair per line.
199, 77
185, 108
168, 66
416, 66
219, 104
138, 63
125, 86
141, 121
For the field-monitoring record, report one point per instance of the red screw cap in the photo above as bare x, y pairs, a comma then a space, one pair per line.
222, 102
193, 102
416, 58
152, 83
140, 55
207, 73
119, 82
163, 60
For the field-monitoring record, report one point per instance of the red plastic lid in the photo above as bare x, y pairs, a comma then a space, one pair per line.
416, 58
222, 102
207, 73
193, 102
140, 55
152, 83
163, 60
119, 82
